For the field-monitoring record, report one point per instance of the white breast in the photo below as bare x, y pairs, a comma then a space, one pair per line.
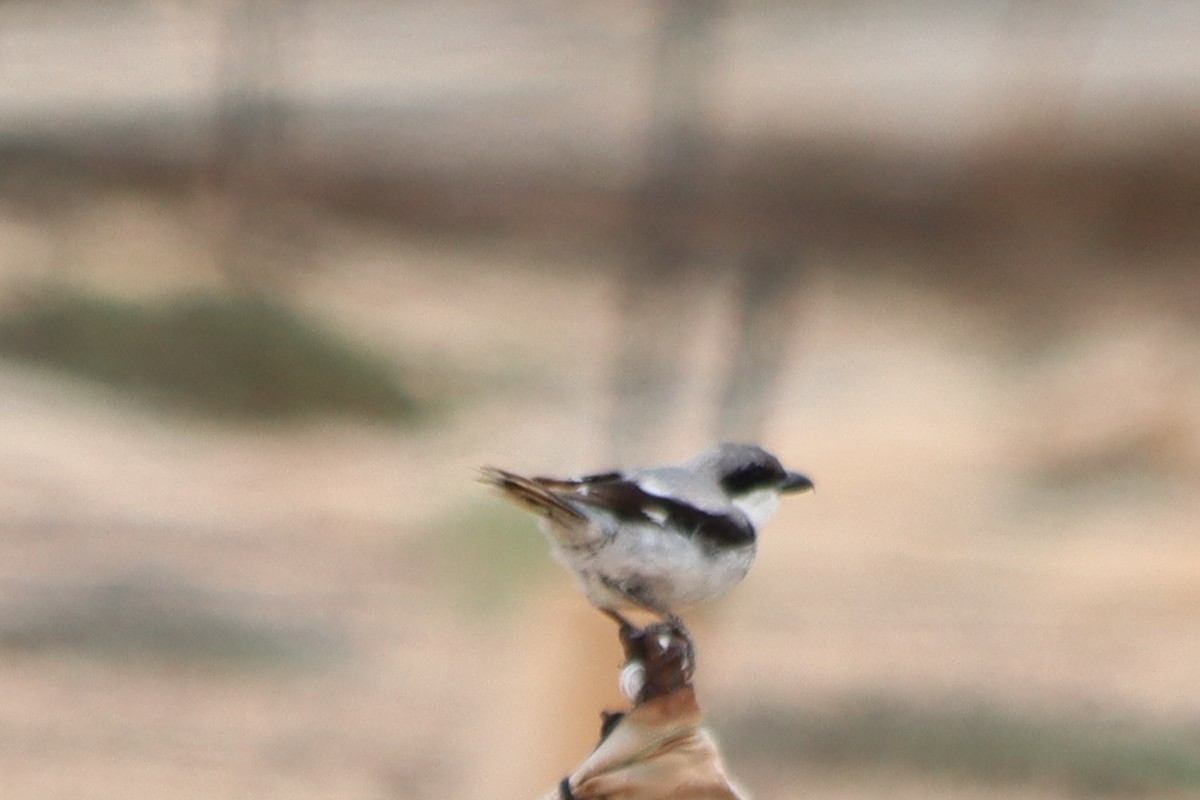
758, 506
668, 571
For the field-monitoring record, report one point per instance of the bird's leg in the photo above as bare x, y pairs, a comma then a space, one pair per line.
616, 617
628, 633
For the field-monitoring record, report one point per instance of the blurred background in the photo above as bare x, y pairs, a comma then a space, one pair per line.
277, 275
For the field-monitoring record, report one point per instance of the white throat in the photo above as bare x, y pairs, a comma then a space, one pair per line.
758, 506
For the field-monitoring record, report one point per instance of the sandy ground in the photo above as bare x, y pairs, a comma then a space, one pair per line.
1013, 529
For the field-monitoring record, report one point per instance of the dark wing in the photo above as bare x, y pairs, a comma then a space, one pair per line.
628, 501
573, 485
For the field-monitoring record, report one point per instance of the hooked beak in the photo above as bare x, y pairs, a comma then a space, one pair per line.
795, 482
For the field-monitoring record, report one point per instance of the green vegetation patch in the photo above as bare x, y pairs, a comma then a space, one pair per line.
230, 355
494, 555
162, 619
977, 744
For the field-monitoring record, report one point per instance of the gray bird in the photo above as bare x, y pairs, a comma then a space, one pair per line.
660, 538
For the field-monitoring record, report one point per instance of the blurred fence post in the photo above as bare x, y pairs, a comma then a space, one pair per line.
659, 287
676, 209
250, 136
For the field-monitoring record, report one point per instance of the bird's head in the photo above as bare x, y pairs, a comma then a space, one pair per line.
751, 477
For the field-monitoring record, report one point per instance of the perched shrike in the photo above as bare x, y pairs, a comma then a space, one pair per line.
660, 538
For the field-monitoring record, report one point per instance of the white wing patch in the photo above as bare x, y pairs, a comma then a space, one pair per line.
649, 485
656, 513
679, 486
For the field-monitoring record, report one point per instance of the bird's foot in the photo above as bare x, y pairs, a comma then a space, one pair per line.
675, 623
658, 661
671, 627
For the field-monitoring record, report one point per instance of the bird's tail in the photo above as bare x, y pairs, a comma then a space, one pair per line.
532, 494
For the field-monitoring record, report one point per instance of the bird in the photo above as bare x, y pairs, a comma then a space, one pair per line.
661, 538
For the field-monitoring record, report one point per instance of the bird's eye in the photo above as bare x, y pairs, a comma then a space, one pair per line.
747, 479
